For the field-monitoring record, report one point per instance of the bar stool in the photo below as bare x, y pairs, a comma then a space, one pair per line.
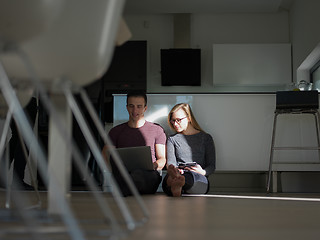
294, 102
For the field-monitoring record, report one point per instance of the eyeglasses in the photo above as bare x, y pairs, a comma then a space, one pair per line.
178, 120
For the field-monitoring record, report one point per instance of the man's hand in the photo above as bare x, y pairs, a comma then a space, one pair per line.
155, 165
160, 156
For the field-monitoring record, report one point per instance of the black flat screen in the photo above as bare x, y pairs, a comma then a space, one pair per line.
180, 67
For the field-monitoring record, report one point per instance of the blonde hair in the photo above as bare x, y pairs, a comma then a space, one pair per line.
187, 109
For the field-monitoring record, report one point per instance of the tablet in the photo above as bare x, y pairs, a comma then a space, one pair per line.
189, 164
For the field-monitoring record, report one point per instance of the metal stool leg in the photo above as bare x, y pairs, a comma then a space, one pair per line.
316, 116
272, 150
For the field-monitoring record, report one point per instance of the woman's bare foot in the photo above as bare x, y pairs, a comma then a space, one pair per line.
175, 180
173, 173
176, 186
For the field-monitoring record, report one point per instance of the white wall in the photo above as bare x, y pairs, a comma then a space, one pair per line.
252, 65
241, 125
205, 31
304, 27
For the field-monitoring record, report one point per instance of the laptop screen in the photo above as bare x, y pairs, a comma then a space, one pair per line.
136, 157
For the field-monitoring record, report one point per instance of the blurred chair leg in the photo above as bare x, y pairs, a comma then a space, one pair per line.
21, 119
96, 151
80, 164
107, 141
60, 126
33, 179
4, 144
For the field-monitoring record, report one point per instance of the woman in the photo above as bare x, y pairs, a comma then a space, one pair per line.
189, 144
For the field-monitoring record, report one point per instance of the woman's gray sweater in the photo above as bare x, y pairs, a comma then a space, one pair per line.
192, 148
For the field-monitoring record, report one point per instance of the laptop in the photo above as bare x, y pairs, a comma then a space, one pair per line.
136, 157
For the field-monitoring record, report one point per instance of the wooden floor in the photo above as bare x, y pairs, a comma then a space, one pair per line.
219, 216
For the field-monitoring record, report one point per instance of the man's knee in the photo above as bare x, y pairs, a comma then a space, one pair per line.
147, 182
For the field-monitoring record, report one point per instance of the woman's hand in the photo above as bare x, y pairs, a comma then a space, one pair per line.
197, 168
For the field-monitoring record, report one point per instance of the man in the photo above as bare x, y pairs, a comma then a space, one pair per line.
139, 132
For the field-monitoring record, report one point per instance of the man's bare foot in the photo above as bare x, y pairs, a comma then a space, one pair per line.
176, 186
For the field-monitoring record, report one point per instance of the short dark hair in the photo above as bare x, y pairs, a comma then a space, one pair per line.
138, 93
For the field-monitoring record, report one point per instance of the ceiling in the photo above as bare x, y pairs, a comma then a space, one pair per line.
205, 6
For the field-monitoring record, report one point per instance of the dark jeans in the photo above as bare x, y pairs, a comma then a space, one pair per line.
146, 181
